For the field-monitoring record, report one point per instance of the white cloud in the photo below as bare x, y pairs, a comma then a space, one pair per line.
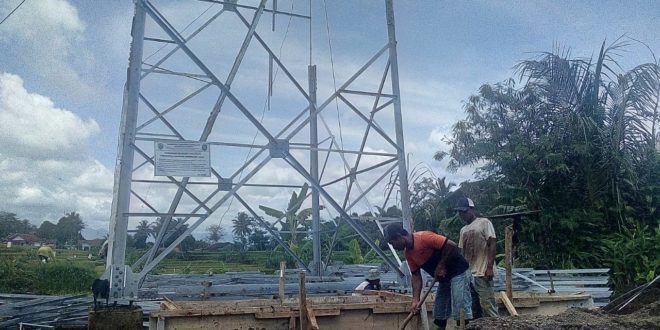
437, 139
48, 35
44, 161
31, 126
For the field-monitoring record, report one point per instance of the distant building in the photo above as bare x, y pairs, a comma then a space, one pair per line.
25, 240
87, 245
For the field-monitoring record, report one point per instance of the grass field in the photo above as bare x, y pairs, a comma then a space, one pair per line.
72, 272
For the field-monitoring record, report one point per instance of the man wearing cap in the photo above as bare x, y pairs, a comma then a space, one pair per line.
372, 281
477, 243
440, 258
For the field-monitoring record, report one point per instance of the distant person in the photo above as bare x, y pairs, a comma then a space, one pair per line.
477, 243
371, 281
440, 258
45, 253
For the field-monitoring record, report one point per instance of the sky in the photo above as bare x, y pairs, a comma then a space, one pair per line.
63, 67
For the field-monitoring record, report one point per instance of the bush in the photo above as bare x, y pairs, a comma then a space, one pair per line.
15, 277
633, 257
63, 278
59, 277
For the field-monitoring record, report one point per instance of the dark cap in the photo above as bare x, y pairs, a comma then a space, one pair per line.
464, 204
393, 231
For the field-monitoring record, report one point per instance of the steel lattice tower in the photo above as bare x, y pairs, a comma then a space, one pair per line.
189, 90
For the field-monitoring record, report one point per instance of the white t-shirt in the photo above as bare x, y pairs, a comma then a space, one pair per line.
472, 243
361, 286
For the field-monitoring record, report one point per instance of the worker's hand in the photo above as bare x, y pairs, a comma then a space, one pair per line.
489, 273
440, 273
414, 307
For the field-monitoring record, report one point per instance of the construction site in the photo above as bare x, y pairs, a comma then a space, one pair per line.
196, 141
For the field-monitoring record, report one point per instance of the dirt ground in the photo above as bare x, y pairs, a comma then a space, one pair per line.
641, 314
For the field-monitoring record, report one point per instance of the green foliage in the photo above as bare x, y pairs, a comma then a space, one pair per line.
451, 227
10, 224
47, 230
562, 239
215, 233
63, 278
293, 222
576, 139
16, 276
355, 252
68, 228
632, 256
371, 255
142, 233
243, 225
21, 272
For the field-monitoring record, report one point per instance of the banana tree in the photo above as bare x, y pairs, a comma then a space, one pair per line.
292, 221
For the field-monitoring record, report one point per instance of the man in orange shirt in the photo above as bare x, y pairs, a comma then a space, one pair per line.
440, 258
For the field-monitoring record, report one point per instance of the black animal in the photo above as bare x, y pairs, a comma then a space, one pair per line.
101, 289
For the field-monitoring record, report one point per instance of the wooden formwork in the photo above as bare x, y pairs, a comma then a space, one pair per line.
549, 303
378, 311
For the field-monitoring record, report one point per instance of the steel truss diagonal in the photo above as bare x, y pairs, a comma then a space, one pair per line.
265, 136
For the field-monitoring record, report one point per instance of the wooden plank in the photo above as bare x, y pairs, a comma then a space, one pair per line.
526, 303
169, 304
303, 301
508, 257
292, 323
313, 325
572, 271
572, 283
275, 315
571, 278
507, 303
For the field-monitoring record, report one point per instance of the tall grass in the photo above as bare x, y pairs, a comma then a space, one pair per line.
22, 272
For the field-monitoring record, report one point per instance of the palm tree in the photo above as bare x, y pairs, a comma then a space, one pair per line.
143, 228
242, 228
575, 129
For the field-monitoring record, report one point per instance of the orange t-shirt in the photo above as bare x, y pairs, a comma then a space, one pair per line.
424, 245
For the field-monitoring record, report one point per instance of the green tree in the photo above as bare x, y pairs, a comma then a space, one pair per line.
10, 224
260, 240
355, 252
575, 138
188, 244
242, 228
175, 228
292, 221
69, 227
47, 230
215, 233
142, 232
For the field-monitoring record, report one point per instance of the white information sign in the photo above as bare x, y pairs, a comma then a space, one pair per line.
182, 158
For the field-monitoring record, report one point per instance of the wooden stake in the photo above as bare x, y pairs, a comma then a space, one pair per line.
508, 259
303, 302
282, 280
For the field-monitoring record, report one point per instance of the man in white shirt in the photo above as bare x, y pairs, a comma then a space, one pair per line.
372, 281
477, 243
